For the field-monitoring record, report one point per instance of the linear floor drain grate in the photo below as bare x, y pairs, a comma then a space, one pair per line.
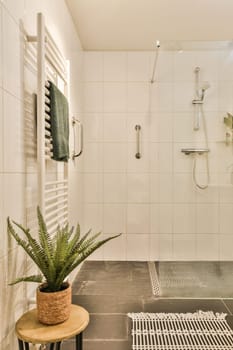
191, 331
154, 278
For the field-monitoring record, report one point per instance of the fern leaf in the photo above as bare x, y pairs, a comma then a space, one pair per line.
46, 245
33, 278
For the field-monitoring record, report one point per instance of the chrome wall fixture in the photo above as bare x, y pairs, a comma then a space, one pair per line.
80, 127
199, 116
199, 151
138, 154
155, 61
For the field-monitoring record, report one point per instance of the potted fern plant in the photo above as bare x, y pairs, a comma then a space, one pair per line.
55, 257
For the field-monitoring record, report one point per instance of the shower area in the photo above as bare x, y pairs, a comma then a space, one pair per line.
158, 162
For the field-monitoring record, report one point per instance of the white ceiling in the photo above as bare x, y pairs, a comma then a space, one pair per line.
136, 24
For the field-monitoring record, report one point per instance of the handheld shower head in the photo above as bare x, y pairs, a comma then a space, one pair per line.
205, 85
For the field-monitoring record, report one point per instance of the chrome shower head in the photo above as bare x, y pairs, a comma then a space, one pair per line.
205, 85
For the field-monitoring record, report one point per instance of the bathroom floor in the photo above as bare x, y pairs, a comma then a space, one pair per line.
111, 289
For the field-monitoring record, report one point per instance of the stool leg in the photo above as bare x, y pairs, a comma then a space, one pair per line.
79, 341
21, 347
51, 346
58, 345
26, 346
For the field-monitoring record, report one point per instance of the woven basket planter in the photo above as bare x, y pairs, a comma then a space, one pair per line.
54, 307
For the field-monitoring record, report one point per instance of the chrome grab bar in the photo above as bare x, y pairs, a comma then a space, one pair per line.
138, 154
74, 154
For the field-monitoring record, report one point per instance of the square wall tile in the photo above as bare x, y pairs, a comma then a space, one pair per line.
142, 119
184, 218
138, 165
165, 218
155, 157
207, 216
154, 247
93, 97
13, 134
14, 197
137, 247
114, 218
166, 247
93, 158
93, 218
183, 96
184, 65
115, 97
225, 91
208, 247
154, 218
225, 247
184, 190
115, 157
115, 188
184, 247
93, 127
166, 157
225, 218
161, 127
138, 218
165, 188
138, 188
115, 66
115, 128
212, 98
138, 64
225, 69
154, 188
115, 249
93, 66
210, 194
12, 79
161, 97
93, 188
138, 97
183, 127
225, 188
209, 64
164, 67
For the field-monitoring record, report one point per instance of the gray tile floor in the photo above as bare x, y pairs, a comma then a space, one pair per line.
196, 279
111, 289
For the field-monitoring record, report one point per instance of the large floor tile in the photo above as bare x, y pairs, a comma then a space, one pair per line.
183, 305
106, 304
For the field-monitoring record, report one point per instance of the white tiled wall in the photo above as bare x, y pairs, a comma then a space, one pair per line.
15, 186
153, 200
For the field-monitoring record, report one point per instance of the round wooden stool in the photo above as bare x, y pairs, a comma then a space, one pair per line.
30, 330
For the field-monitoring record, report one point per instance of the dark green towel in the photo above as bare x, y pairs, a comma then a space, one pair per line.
59, 113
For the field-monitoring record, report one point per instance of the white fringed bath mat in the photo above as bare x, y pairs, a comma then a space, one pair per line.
173, 331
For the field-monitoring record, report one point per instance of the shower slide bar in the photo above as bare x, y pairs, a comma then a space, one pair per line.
199, 151
80, 126
52, 177
138, 154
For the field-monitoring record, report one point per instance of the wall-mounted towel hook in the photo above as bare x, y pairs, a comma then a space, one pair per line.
74, 122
